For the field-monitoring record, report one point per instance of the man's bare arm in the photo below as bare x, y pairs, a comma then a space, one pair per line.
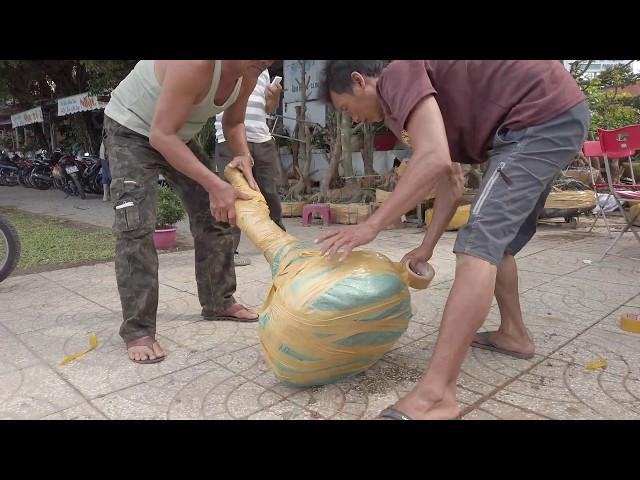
448, 193
183, 83
429, 165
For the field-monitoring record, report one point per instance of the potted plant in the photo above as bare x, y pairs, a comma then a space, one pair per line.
169, 212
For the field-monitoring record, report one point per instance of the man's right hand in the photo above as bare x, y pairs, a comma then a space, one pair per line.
222, 201
421, 254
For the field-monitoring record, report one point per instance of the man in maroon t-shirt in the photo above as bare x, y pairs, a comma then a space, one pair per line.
528, 118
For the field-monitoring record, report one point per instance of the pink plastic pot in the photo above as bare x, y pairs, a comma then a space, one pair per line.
165, 238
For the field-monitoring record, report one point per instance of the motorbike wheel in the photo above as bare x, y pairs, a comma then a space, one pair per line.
59, 184
9, 247
10, 181
27, 179
69, 188
40, 184
95, 184
76, 182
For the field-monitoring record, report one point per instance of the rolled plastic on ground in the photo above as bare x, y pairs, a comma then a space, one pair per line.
571, 199
323, 320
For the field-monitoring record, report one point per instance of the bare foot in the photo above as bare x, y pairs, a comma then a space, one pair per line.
246, 314
144, 349
235, 312
521, 344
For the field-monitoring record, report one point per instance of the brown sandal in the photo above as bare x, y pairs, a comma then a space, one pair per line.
228, 314
147, 341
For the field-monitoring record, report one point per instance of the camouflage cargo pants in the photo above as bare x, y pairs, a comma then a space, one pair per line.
135, 166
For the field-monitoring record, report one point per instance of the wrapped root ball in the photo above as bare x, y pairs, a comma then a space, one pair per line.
323, 320
327, 320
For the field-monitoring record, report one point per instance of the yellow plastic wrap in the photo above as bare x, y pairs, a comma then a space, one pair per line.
350, 213
571, 199
602, 363
459, 219
93, 343
323, 320
292, 209
630, 322
634, 212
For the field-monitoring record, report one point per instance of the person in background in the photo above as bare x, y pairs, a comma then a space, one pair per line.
105, 175
264, 100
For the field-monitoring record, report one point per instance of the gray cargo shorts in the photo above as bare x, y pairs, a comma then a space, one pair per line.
523, 164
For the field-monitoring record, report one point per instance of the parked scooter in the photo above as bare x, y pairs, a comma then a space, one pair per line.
8, 170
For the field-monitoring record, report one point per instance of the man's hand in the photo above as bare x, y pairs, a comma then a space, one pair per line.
244, 163
346, 239
421, 254
222, 202
272, 98
274, 91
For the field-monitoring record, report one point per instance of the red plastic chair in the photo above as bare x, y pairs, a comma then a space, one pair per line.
594, 149
619, 143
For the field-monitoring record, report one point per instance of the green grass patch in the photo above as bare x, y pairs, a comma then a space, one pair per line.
48, 241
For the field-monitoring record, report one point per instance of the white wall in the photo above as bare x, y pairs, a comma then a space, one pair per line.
292, 75
316, 112
292, 95
382, 161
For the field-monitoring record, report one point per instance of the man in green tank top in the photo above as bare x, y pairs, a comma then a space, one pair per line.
150, 123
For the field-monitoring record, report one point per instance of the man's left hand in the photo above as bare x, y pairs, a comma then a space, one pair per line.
274, 92
346, 239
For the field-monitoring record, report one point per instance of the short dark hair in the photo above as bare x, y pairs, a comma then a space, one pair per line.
336, 76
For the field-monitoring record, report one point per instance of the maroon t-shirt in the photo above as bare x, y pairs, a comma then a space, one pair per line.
476, 97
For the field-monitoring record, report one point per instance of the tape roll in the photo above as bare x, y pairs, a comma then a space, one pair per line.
420, 275
630, 322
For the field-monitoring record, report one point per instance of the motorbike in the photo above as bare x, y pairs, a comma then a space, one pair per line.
40, 173
8, 170
67, 174
25, 165
91, 177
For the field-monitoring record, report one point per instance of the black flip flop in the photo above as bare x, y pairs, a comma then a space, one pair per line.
493, 347
393, 414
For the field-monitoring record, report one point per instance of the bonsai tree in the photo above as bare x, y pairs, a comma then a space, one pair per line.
169, 210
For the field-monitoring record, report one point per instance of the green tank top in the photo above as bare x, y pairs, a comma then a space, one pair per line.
133, 102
